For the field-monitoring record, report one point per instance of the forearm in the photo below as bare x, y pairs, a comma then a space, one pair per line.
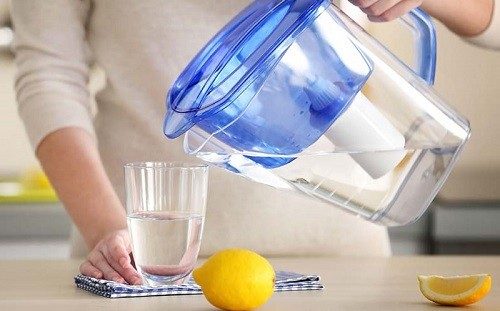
71, 161
466, 18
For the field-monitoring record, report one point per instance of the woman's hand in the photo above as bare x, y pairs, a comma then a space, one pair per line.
110, 259
385, 10
71, 160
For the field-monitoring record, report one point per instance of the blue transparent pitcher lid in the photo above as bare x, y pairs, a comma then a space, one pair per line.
247, 48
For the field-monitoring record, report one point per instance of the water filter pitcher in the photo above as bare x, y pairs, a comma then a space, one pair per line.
296, 95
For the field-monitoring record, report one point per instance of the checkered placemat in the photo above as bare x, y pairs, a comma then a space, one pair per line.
285, 281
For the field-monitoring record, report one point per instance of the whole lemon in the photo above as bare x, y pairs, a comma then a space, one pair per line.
236, 279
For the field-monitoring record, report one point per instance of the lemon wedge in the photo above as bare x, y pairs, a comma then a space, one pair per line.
455, 290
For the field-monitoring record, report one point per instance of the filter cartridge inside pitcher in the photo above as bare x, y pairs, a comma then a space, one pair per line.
363, 127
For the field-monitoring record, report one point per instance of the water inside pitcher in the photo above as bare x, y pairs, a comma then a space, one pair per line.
296, 95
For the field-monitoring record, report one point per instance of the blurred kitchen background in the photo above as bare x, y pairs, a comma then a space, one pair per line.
465, 218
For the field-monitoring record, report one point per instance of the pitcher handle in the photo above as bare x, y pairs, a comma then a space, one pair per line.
425, 42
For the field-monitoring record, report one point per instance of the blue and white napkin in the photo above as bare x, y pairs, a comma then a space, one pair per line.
285, 281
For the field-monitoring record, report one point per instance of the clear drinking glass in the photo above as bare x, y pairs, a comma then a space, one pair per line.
165, 215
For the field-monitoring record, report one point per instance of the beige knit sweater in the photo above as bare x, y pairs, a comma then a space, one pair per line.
142, 46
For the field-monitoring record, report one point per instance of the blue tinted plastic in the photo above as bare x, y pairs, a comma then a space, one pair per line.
276, 78
231, 74
236, 60
426, 45
298, 100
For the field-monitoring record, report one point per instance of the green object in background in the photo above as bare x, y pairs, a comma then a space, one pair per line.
32, 187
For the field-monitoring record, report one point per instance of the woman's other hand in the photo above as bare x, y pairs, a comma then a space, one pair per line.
385, 10
111, 260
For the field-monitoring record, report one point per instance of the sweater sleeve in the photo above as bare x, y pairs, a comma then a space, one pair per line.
490, 38
52, 66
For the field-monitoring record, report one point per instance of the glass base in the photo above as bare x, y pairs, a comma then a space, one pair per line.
158, 280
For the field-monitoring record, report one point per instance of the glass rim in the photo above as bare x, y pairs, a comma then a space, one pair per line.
161, 165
